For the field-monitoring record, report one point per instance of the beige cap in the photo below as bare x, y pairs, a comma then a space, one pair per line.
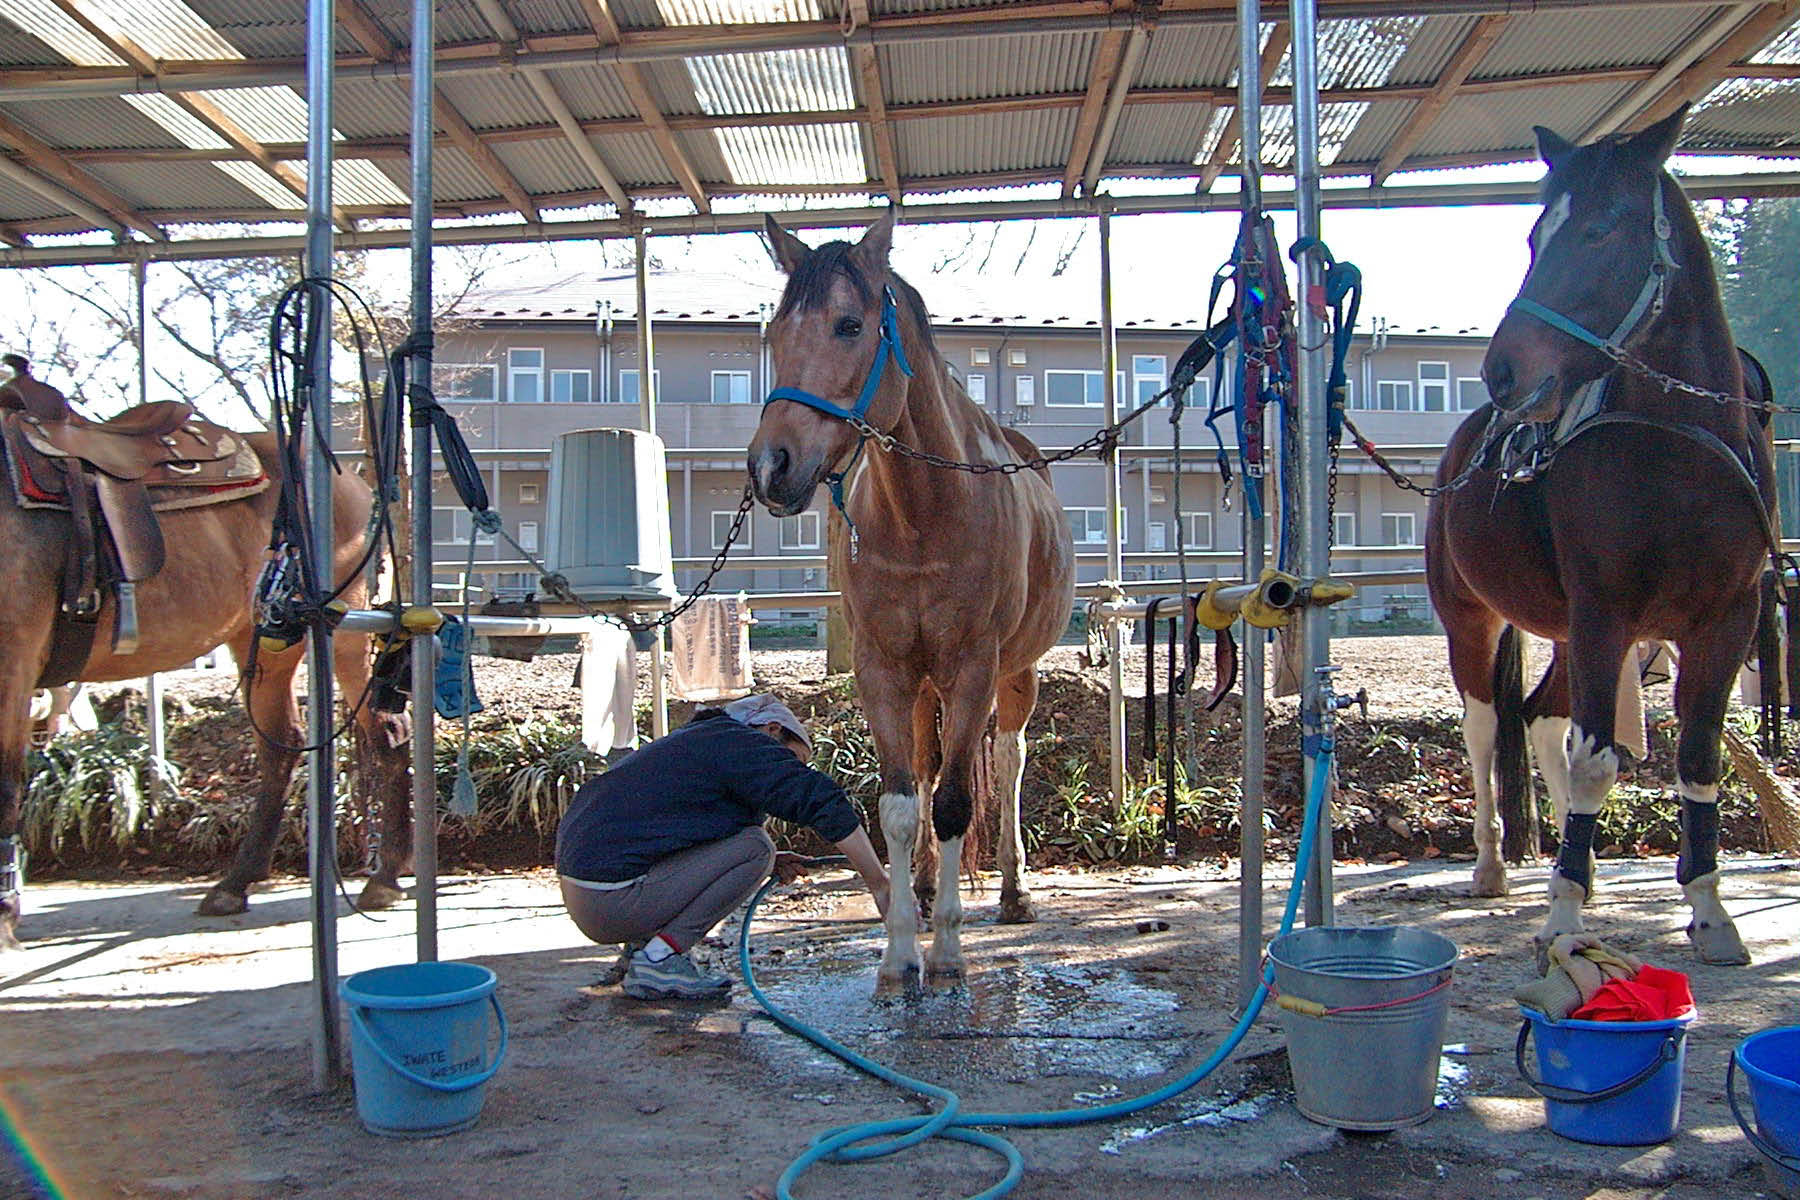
766, 709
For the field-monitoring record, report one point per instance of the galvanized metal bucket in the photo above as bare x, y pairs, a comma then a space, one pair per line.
1364, 1010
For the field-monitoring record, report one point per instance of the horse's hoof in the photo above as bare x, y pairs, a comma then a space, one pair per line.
377, 896
222, 903
9, 928
945, 974
1489, 881
1017, 909
898, 981
1718, 944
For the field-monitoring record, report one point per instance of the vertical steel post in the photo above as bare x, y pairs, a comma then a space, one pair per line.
1250, 823
424, 758
321, 791
646, 336
153, 687
1115, 558
1314, 560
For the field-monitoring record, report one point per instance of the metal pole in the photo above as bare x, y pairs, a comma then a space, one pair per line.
321, 792
1115, 560
1315, 535
646, 338
424, 758
1250, 823
153, 688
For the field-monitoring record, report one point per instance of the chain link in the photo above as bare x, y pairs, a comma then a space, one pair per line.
1670, 383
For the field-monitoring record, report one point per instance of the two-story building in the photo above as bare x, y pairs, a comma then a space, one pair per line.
521, 364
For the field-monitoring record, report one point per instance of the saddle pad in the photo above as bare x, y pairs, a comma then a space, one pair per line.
38, 481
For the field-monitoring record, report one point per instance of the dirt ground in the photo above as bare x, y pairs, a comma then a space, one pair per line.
150, 1055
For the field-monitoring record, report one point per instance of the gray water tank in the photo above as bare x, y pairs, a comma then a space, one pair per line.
608, 524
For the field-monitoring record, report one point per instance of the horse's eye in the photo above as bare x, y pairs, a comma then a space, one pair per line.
1595, 232
849, 327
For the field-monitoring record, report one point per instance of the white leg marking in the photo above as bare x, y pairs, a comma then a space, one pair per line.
1009, 769
900, 826
1550, 747
1480, 725
946, 956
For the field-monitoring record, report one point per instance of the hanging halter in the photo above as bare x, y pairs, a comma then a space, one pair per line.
888, 345
1649, 301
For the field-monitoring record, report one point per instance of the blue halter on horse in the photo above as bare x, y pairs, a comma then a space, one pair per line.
888, 346
1649, 298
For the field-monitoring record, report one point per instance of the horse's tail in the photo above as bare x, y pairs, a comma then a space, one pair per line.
1512, 766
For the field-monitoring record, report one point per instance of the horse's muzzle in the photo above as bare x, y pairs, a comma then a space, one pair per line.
1542, 405
774, 481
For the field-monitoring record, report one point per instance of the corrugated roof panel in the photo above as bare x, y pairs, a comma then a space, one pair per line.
358, 181
494, 100
167, 29
175, 185
593, 92
1746, 112
672, 87
1362, 52
980, 68
1541, 42
739, 12
1190, 56
773, 81
1785, 48
20, 49
706, 154
1429, 49
1336, 122
1503, 120
98, 123
1373, 133
460, 21
635, 159
59, 31
1160, 133
454, 177
544, 167
373, 108
22, 204
548, 16
793, 154
274, 28
262, 185
267, 114
177, 121
1000, 142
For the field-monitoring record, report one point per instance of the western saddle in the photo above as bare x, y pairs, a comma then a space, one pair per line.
112, 477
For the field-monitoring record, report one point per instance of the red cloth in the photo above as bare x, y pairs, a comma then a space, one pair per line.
1653, 994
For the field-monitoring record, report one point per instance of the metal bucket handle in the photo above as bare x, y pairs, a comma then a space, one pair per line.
1763, 1145
1562, 1095
461, 1083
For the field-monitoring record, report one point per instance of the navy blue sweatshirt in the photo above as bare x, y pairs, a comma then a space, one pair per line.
705, 781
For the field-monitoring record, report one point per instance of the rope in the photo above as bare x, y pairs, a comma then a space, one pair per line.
878, 1139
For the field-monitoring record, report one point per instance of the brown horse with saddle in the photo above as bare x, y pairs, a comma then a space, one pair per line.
134, 546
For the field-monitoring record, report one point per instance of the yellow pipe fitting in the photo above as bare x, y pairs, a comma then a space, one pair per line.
421, 619
1329, 591
1208, 612
1267, 606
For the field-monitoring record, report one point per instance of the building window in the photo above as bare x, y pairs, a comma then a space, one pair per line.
528, 493
1024, 391
721, 528
628, 387
528, 536
1149, 373
1199, 395
1197, 531
977, 388
730, 387
1088, 526
1343, 529
1156, 537
1078, 389
1471, 393
1397, 529
1016, 357
1394, 395
571, 387
1434, 387
800, 531
979, 356
452, 526
465, 381
524, 376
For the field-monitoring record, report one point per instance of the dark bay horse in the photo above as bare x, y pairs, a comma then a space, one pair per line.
201, 599
1598, 504
956, 584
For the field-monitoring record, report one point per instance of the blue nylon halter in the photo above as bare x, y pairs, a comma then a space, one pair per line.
1649, 297
888, 345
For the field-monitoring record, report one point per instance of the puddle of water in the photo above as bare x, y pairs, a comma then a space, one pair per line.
1013, 1022
1452, 1079
1204, 1112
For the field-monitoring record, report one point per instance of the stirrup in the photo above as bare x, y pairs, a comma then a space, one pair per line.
125, 630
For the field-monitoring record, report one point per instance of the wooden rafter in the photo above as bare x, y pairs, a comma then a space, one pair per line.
1109, 55
46, 160
1700, 78
369, 34
1466, 58
881, 129
1277, 45
606, 28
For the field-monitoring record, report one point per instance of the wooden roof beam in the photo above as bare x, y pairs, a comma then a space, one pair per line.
1467, 56
1273, 49
1704, 75
874, 97
606, 28
44, 159
1109, 56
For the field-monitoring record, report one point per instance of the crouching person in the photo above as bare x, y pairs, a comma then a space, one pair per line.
666, 844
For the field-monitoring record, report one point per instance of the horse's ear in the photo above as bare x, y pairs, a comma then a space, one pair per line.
878, 240
1657, 142
789, 251
1552, 147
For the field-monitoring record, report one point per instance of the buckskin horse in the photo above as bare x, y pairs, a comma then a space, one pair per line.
956, 583
1618, 488
153, 525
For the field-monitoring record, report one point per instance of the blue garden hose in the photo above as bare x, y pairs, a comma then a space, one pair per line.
846, 1142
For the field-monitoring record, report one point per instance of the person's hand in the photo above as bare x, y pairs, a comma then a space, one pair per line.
879, 890
790, 866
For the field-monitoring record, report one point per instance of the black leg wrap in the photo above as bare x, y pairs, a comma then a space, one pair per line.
1574, 860
1699, 841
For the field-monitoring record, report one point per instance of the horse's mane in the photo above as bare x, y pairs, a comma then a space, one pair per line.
810, 287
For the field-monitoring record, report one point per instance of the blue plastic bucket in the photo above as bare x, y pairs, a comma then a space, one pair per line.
418, 1044
1611, 1083
1771, 1062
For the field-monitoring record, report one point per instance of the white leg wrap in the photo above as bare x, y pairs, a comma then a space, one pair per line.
900, 826
946, 957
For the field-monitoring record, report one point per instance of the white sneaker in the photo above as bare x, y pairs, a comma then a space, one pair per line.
675, 977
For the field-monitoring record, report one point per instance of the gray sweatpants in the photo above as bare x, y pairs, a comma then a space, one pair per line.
683, 896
